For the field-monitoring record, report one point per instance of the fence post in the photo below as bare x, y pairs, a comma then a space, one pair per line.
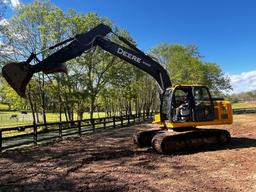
93, 125
104, 123
114, 122
121, 118
128, 119
35, 134
79, 128
60, 130
1, 144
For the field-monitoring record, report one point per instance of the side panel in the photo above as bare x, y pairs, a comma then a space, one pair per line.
223, 111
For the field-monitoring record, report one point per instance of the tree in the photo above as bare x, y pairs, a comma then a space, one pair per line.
33, 28
2, 23
214, 78
9, 97
249, 96
186, 66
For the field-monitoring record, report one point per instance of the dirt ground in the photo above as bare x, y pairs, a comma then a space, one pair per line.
108, 161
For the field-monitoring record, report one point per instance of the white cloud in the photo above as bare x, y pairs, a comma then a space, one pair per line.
246, 81
3, 22
13, 3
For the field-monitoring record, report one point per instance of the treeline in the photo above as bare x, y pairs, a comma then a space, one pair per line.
249, 96
97, 81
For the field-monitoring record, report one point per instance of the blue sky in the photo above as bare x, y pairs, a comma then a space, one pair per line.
224, 30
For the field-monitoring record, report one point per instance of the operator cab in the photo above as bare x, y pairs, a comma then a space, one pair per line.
187, 104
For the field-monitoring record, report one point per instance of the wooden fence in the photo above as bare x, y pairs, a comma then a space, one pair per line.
38, 133
244, 110
33, 134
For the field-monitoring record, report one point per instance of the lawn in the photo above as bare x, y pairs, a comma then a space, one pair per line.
3, 107
7, 119
243, 105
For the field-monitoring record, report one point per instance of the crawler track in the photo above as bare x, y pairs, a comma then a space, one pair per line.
167, 142
143, 138
170, 142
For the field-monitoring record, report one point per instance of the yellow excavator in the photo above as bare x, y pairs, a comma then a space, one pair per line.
182, 107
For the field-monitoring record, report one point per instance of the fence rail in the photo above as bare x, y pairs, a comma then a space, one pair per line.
244, 110
38, 133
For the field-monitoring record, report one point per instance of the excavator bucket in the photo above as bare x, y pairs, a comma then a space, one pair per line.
18, 74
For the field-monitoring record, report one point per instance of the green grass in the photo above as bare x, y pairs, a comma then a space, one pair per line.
54, 117
3, 107
243, 105
26, 119
6, 121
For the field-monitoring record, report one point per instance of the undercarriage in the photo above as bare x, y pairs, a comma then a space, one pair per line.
167, 141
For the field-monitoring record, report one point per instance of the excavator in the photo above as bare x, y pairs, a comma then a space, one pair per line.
182, 107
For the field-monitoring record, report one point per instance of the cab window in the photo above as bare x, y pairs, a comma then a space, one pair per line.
204, 109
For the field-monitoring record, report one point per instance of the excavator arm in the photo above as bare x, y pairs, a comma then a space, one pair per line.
19, 74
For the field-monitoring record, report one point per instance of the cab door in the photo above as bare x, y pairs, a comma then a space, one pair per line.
203, 108
182, 104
